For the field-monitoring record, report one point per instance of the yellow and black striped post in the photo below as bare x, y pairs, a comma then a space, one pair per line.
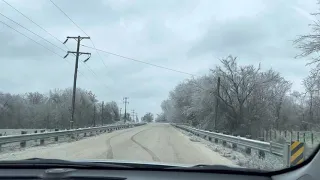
296, 153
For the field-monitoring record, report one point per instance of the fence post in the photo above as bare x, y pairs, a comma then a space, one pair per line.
304, 137
312, 139
270, 134
291, 136
298, 136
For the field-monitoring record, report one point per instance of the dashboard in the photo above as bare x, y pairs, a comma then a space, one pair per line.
74, 174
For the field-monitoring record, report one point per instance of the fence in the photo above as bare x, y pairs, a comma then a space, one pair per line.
310, 138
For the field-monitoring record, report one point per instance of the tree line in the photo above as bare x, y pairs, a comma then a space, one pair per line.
53, 110
243, 100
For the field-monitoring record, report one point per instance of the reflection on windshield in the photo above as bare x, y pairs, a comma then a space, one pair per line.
183, 83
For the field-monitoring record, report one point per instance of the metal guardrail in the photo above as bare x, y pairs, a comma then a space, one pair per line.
269, 147
45, 135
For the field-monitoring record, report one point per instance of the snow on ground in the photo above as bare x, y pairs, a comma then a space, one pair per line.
239, 157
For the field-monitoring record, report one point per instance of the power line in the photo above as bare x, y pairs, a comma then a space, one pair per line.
34, 23
68, 17
89, 68
31, 21
31, 32
79, 29
132, 59
37, 34
96, 76
39, 44
30, 39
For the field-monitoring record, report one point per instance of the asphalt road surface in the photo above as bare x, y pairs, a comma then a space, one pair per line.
148, 143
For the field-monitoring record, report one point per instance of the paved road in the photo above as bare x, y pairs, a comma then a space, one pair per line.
148, 143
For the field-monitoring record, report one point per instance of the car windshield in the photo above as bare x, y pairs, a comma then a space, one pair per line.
183, 83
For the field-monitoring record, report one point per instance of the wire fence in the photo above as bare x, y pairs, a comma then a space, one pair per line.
310, 138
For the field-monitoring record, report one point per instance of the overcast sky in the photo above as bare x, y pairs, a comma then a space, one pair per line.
186, 35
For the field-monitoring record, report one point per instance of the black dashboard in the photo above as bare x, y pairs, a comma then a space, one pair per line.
74, 174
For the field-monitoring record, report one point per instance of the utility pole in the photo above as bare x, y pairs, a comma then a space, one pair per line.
137, 120
217, 105
133, 115
94, 115
102, 106
120, 113
125, 101
77, 54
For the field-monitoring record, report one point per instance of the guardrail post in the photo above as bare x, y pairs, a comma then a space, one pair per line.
0, 144
23, 143
248, 150
286, 155
262, 154
56, 138
234, 146
209, 138
85, 134
224, 143
216, 140
35, 132
42, 140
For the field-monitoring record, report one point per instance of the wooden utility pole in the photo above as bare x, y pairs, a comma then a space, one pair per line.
132, 111
102, 107
94, 115
125, 101
137, 120
217, 105
77, 54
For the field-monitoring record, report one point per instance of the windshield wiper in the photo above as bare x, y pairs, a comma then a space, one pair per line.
60, 163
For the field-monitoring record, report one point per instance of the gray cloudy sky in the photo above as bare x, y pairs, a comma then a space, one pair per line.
186, 35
